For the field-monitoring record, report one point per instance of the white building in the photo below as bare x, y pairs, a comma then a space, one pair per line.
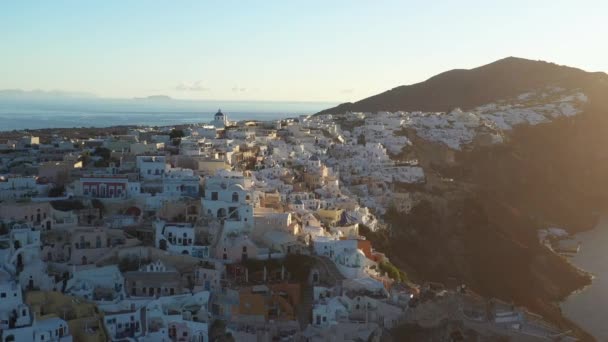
329, 312
205, 131
220, 120
180, 182
179, 238
124, 324
47, 330
103, 186
16, 187
227, 200
152, 167
13, 312
108, 278
352, 263
156, 266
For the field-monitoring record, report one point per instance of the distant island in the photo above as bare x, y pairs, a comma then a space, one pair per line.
154, 97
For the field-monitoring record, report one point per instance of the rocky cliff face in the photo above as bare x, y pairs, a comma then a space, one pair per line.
512, 170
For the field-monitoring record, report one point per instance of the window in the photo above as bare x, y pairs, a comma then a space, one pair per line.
235, 197
214, 196
234, 213
3, 295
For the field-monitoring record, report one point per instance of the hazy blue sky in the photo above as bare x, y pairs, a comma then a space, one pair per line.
281, 50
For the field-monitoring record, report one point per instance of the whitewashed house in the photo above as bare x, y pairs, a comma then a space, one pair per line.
152, 167
229, 201
180, 182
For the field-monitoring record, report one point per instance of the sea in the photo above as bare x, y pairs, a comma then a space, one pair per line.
28, 113
589, 306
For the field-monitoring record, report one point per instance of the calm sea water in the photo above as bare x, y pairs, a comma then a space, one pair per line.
61, 112
589, 307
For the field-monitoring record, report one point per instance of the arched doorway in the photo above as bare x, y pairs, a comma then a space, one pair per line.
133, 211
221, 213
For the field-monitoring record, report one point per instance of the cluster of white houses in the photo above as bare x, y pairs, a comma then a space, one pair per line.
161, 236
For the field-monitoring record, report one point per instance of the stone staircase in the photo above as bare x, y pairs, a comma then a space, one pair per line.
304, 309
332, 274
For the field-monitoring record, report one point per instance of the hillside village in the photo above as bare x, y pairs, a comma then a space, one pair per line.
245, 231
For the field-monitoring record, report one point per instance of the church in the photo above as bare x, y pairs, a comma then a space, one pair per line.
220, 120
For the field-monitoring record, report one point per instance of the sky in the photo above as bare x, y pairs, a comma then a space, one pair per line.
314, 50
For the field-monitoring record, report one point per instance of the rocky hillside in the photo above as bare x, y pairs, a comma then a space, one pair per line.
475, 87
544, 164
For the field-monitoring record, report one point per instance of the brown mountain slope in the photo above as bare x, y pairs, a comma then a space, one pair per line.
470, 88
481, 230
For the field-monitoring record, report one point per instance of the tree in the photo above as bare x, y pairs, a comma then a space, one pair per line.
176, 133
97, 204
101, 163
85, 158
392, 271
3, 228
56, 191
131, 263
103, 153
